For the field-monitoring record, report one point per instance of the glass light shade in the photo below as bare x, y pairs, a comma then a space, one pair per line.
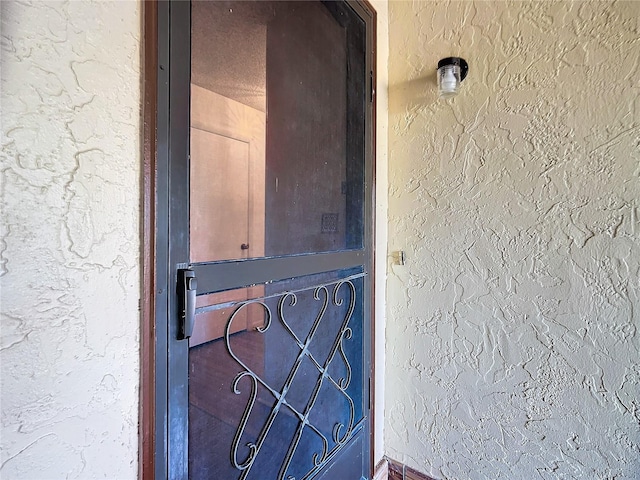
448, 80
451, 72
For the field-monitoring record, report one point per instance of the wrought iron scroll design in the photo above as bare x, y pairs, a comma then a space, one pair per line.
341, 432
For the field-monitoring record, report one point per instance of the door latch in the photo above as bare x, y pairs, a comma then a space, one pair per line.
187, 289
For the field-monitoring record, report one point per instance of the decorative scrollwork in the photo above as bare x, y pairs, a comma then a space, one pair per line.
253, 450
341, 433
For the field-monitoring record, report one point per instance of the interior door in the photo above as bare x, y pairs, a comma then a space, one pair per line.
227, 171
219, 177
265, 181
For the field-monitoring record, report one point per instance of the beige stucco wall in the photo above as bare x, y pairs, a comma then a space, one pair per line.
512, 330
71, 238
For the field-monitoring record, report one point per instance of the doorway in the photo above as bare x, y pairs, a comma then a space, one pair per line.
264, 240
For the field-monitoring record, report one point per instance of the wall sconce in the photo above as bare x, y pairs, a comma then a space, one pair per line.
451, 72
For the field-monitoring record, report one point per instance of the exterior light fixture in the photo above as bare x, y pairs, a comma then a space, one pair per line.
451, 72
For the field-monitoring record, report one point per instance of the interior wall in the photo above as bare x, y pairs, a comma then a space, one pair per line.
512, 332
307, 59
70, 252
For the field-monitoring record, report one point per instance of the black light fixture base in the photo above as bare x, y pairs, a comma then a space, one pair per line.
461, 62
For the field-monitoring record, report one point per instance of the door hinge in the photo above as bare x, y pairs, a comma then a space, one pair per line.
371, 89
187, 289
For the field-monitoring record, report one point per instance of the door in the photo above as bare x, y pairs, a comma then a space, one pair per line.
264, 199
227, 168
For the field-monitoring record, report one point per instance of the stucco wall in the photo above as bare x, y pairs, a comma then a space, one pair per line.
70, 250
512, 330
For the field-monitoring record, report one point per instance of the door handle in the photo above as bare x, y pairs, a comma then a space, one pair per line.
244, 246
187, 289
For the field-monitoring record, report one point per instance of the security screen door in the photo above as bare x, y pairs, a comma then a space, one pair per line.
265, 138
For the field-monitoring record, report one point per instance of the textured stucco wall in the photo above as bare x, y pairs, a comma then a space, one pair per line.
512, 330
70, 239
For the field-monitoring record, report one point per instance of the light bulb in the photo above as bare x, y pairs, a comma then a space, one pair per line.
448, 80
451, 72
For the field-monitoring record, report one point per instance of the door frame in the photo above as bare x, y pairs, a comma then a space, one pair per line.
154, 334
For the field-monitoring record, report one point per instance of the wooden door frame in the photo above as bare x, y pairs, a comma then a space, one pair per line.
148, 420
147, 405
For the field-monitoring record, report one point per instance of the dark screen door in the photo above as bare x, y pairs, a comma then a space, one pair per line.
264, 240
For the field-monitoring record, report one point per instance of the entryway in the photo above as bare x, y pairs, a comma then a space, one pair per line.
264, 240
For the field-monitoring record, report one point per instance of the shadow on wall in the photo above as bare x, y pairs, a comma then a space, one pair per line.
414, 94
